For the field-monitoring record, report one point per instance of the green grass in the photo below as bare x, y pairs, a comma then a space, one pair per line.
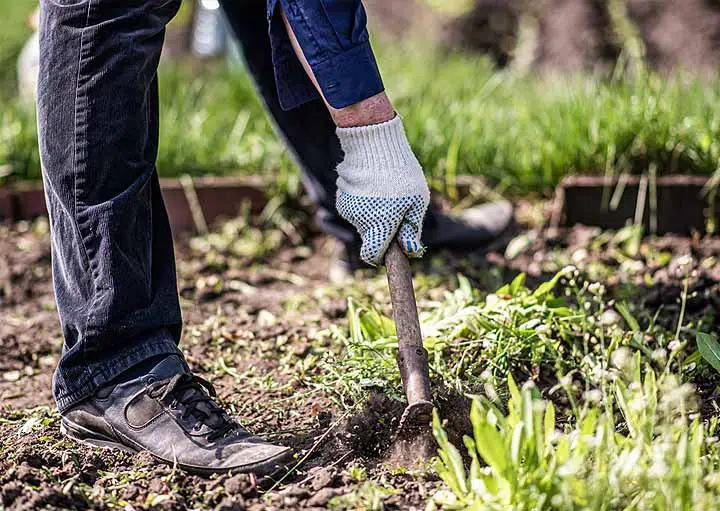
214, 125
13, 35
523, 132
639, 447
567, 325
528, 132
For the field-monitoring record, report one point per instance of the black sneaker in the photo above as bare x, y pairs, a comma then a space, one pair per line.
477, 228
171, 414
484, 227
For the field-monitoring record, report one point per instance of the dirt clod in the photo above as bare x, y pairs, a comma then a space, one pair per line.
323, 496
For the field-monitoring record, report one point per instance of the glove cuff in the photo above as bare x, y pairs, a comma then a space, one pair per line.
379, 161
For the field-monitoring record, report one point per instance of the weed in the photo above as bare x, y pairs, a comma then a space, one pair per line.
368, 496
474, 342
641, 447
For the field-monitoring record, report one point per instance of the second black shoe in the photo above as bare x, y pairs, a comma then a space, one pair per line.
482, 227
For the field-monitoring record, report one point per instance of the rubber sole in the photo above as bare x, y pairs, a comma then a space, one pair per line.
269, 468
91, 438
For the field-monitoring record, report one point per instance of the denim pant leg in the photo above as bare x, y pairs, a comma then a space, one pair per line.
113, 261
307, 130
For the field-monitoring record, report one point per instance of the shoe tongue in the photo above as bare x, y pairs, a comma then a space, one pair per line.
213, 419
173, 365
168, 367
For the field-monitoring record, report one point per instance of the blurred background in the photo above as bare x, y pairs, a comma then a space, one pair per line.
521, 92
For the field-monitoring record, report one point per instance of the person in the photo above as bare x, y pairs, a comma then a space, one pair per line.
121, 380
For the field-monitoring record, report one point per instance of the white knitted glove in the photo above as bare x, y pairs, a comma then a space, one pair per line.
382, 189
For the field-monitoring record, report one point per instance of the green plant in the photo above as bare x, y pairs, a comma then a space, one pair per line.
474, 341
651, 455
709, 349
368, 496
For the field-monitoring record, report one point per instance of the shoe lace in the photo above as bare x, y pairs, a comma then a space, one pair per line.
197, 395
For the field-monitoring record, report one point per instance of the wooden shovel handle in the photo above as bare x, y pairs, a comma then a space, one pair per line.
412, 356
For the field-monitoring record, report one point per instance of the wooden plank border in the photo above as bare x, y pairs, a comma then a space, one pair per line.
218, 197
672, 204
682, 202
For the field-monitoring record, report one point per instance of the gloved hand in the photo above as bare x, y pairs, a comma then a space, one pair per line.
382, 189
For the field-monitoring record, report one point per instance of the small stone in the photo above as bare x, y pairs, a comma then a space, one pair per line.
236, 485
324, 478
12, 376
322, 497
266, 318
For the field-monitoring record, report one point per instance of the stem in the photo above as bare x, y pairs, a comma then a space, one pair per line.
683, 303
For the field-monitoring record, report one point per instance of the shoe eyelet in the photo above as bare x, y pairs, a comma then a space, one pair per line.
150, 380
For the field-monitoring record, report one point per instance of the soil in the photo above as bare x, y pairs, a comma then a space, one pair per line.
575, 35
490, 27
252, 327
550, 35
569, 35
679, 33
566, 35
248, 323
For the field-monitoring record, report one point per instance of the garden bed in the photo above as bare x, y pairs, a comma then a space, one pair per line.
262, 323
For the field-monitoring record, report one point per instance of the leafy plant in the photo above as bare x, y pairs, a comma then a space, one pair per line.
709, 348
474, 342
525, 460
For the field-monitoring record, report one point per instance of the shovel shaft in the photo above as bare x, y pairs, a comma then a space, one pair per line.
412, 356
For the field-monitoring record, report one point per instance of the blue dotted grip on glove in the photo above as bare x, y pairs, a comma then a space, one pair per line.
380, 219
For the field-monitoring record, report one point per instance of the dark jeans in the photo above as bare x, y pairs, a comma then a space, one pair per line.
113, 261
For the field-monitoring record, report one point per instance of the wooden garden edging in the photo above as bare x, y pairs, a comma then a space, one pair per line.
677, 204
192, 203
216, 197
669, 204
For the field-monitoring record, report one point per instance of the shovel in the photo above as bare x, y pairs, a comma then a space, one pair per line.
412, 357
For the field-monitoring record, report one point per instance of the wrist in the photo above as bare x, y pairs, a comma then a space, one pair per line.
373, 110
